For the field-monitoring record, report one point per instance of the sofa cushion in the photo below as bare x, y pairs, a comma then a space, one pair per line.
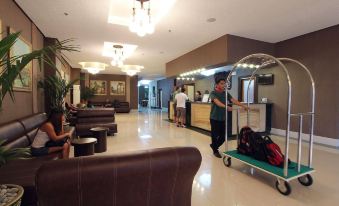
11, 131
20, 142
33, 121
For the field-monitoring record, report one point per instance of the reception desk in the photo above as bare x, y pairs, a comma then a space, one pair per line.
198, 115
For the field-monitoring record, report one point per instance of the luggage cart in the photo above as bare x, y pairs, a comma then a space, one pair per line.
294, 170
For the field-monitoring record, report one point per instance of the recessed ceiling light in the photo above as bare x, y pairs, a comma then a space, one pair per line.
170, 30
66, 14
210, 20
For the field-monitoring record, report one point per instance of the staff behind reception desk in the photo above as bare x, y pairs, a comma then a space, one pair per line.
198, 116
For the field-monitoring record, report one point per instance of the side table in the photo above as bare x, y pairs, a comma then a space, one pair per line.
83, 146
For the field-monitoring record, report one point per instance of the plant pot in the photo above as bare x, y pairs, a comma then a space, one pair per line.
16, 200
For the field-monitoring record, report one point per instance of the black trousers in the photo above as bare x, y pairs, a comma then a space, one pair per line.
218, 133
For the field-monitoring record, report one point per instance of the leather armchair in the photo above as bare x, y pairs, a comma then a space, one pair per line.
147, 178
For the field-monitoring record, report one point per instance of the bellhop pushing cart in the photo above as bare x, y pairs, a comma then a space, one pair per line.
292, 170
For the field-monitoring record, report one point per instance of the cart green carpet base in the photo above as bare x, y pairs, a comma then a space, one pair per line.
292, 171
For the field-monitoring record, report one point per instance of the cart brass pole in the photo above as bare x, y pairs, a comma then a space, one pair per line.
299, 140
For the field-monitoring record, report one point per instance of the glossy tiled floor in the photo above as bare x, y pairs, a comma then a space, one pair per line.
216, 185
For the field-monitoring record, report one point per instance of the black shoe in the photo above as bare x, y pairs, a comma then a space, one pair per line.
214, 150
217, 154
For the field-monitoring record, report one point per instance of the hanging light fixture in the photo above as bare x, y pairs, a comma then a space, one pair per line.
93, 67
141, 18
131, 70
118, 55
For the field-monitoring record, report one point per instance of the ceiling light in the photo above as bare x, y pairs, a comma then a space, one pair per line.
110, 50
251, 66
93, 67
257, 66
141, 18
207, 72
244, 65
192, 79
131, 70
118, 56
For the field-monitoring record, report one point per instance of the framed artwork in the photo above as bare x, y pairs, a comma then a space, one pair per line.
21, 47
117, 88
99, 86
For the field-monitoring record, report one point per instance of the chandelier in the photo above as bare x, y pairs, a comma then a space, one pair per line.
141, 18
118, 55
131, 70
93, 67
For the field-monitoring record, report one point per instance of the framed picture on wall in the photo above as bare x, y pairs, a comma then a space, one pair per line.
20, 47
117, 88
100, 87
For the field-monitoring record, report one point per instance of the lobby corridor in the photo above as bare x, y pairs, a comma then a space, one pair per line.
216, 185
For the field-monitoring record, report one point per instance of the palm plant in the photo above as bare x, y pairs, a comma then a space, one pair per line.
7, 154
11, 66
56, 88
87, 93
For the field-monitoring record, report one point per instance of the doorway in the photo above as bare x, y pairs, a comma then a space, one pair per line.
250, 86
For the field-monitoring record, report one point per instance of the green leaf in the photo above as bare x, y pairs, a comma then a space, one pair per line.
12, 66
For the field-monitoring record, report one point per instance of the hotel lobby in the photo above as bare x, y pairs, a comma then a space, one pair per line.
117, 102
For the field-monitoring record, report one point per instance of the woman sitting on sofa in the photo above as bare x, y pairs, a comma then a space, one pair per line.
51, 137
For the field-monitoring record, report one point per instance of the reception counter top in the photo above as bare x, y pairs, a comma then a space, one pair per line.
198, 115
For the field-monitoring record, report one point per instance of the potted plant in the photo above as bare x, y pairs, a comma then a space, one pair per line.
56, 89
87, 94
11, 194
11, 66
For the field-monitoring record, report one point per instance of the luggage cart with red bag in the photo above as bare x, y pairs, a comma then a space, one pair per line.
292, 170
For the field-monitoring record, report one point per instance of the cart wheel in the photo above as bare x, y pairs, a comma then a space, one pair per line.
306, 180
227, 161
284, 189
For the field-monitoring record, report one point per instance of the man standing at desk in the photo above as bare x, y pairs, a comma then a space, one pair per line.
181, 99
217, 115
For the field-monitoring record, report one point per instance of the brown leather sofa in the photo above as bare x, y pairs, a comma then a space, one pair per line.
147, 178
96, 117
20, 134
122, 107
